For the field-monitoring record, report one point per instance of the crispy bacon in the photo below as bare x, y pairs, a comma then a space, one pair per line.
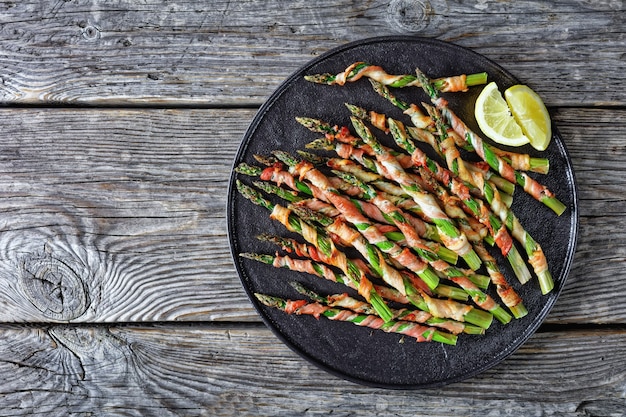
292, 306
345, 301
507, 294
411, 235
379, 121
503, 240
391, 294
311, 309
277, 175
351, 167
281, 214
455, 84
391, 275
365, 288
418, 118
320, 206
519, 161
304, 265
535, 189
538, 261
446, 308
409, 260
419, 333
459, 244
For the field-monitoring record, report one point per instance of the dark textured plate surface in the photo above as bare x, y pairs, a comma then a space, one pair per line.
359, 354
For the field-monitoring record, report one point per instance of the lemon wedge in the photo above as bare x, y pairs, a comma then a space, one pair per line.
495, 118
531, 114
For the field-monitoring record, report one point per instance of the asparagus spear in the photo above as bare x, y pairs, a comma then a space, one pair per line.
406, 314
363, 224
399, 217
323, 243
302, 249
450, 234
476, 207
423, 123
366, 208
419, 332
496, 162
362, 69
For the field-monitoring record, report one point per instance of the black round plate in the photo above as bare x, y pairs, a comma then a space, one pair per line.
363, 355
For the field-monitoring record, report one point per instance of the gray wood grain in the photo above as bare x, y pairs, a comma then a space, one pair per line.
124, 213
225, 52
245, 371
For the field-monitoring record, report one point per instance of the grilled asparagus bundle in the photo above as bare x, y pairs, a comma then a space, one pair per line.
407, 233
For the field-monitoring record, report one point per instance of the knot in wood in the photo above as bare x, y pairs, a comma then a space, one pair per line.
409, 15
91, 32
53, 287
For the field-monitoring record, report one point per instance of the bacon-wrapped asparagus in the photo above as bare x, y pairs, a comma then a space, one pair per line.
388, 166
424, 124
420, 332
305, 169
406, 314
308, 251
453, 273
357, 70
450, 234
323, 243
447, 147
540, 192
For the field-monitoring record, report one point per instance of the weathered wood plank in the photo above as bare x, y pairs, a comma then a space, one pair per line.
182, 52
112, 206
124, 212
223, 371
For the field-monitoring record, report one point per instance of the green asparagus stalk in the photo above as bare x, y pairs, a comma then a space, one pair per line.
302, 307
405, 314
453, 238
362, 69
496, 162
362, 223
308, 251
423, 123
322, 243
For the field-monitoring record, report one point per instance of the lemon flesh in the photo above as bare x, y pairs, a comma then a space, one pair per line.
531, 114
495, 118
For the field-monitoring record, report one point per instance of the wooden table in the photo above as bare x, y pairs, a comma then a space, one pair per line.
120, 123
